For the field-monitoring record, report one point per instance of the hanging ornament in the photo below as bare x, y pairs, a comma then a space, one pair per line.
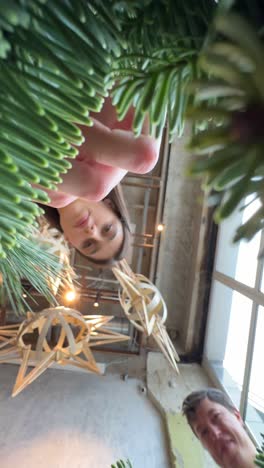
145, 308
74, 335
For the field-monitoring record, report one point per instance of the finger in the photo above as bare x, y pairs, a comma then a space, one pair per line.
119, 148
90, 180
57, 199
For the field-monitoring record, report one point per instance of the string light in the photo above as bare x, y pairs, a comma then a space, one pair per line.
70, 295
160, 227
96, 302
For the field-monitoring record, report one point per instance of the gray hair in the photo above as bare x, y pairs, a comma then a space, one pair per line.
194, 399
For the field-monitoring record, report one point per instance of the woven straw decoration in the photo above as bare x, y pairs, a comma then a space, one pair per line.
145, 308
77, 334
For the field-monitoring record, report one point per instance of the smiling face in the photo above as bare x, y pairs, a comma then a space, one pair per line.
93, 228
222, 433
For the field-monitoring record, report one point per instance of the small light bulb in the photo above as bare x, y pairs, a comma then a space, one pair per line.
70, 295
96, 304
160, 227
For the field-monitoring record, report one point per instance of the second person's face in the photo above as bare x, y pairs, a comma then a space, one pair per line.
222, 433
93, 228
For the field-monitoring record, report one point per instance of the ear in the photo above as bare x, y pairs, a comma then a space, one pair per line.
238, 416
109, 203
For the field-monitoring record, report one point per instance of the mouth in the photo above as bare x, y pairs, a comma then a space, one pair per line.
226, 448
82, 221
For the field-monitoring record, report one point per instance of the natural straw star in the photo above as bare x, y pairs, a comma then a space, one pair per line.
145, 308
76, 335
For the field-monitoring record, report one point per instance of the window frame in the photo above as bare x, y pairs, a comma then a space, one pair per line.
257, 297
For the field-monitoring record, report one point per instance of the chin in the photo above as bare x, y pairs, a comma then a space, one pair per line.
230, 456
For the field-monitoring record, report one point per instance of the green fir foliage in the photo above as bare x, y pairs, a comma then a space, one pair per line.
259, 460
229, 113
28, 260
59, 59
122, 464
54, 65
160, 60
58, 62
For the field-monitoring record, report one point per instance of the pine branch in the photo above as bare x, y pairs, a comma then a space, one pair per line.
122, 464
31, 261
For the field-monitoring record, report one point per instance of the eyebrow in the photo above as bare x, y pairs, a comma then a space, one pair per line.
211, 411
108, 239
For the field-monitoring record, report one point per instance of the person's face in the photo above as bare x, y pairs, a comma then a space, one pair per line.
93, 228
222, 433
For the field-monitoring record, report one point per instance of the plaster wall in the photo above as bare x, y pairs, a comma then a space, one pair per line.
75, 420
167, 390
178, 248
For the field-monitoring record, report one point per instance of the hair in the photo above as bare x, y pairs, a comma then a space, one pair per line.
194, 399
119, 208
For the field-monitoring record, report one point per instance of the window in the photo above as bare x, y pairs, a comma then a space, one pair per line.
234, 344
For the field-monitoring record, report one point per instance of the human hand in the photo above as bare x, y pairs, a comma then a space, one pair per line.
110, 150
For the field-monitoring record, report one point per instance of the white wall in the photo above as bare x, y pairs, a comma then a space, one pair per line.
71, 420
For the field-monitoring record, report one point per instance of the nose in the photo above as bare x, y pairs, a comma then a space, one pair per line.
215, 432
91, 230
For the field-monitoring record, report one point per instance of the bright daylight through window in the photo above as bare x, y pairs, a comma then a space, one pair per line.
234, 348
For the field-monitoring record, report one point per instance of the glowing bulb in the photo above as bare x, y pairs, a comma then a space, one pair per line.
160, 227
96, 304
70, 295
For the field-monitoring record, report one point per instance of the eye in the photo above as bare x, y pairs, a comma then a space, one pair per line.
107, 228
216, 417
87, 244
204, 432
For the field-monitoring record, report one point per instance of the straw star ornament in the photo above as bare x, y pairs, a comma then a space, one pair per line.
75, 335
145, 308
